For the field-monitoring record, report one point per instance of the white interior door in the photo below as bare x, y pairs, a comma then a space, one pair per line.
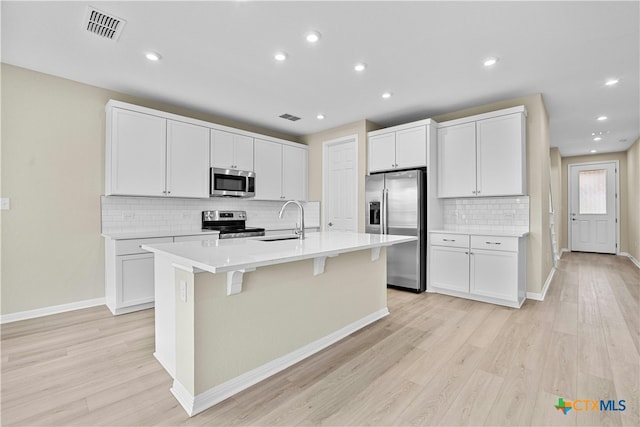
593, 210
340, 184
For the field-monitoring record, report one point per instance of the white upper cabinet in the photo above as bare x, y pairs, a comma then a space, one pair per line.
294, 173
268, 169
411, 147
231, 151
399, 147
457, 160
500, 152
187, 160
136, 154
149, 155
483, 156
382, 152
159, 154
281, 171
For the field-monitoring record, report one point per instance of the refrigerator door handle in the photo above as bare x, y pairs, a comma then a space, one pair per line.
385, 211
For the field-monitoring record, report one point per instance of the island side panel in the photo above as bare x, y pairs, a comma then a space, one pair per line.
185, 330
281, 308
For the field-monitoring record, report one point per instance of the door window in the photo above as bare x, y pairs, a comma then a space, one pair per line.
593, 192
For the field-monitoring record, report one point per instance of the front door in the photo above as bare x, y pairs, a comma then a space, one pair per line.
592, 207
340, 184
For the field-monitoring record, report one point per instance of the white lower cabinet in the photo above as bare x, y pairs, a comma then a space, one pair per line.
485, 268
450, 265
134, 278
129, 271
494, 273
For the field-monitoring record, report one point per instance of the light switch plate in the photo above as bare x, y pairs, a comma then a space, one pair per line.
5, 203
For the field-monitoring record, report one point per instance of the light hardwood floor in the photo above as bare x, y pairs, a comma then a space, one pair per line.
435, 360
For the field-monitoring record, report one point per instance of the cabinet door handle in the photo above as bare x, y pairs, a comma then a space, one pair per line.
448, 240
493, 243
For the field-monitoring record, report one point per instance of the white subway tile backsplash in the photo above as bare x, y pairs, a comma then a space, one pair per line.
147, 214
487, 214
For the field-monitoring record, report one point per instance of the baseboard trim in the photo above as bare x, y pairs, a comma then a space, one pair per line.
196, 404
540, 296
54, 309
633, 260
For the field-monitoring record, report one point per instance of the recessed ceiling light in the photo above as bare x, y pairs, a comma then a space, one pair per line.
593, 151
612, 82
153, 56
490, 62
597, 138
602, 118
360, 66
320, 117
312, 36
280, 56
387, 95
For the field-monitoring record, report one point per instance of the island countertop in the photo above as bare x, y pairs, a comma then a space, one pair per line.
218, 256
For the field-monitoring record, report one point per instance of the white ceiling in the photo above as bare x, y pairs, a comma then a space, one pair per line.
218, 58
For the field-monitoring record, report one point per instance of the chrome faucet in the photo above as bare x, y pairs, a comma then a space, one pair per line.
299, 232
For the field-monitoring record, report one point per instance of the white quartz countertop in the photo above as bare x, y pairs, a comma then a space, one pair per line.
154, 234
218, 256
471, 232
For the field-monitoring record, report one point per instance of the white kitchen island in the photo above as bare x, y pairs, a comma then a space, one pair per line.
230, 313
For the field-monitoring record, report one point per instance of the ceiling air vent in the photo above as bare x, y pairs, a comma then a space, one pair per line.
290, 117
102, 24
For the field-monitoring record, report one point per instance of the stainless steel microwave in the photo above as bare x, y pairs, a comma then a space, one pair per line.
232, 183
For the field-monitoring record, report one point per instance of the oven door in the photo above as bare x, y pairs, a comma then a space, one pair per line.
231, 183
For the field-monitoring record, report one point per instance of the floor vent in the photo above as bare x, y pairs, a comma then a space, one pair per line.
103, 25
290, 117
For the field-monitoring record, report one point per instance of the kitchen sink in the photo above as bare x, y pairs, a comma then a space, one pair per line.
276, 238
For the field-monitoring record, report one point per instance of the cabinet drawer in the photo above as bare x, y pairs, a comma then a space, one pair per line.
451, 240
132, 246
496, 243
195, 238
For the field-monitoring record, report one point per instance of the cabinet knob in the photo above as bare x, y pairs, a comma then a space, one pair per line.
330, 224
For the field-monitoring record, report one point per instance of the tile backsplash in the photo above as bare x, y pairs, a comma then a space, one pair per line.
484, 214
148, 214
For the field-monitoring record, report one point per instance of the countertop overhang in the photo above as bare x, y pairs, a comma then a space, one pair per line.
475, 232
219, 256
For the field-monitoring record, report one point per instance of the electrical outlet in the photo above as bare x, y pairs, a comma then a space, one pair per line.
5, 204
183, 291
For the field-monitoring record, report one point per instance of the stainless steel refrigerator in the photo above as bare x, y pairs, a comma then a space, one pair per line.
396, 204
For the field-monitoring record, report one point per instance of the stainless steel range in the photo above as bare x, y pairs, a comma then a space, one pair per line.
231, 224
